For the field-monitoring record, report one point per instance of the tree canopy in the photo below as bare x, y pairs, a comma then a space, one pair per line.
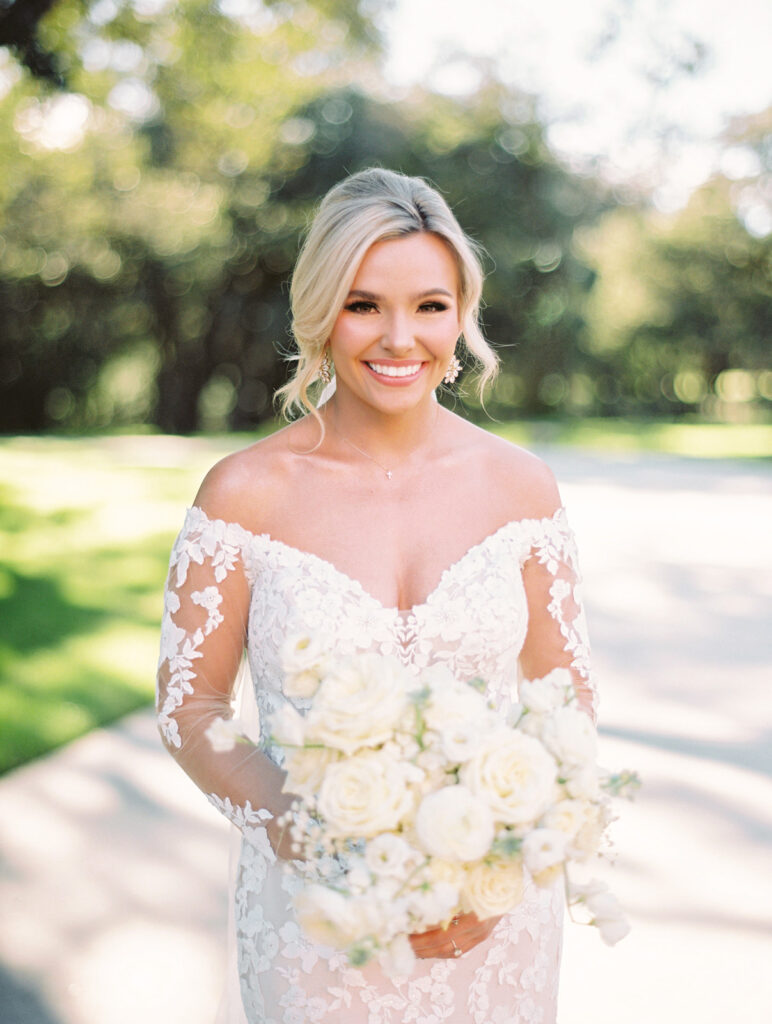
162, 160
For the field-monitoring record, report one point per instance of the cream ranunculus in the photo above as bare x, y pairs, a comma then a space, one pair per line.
365, 794
359, 703
514, 775
305, 768
453, 824
548, 693
303, 661
493, 889
570, 735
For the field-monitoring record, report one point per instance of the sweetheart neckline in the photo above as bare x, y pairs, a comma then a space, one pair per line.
403, 613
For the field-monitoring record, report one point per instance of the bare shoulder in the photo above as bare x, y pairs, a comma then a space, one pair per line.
247, 481
525, 482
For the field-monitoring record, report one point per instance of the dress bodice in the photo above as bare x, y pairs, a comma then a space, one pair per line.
474, 621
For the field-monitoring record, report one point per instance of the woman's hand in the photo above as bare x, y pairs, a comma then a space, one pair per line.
463, 933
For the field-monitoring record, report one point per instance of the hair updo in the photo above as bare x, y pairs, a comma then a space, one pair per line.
365, 208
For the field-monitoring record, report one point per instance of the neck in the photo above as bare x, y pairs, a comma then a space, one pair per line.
387, 435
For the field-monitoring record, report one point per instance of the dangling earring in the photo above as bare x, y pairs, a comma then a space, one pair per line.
452, 371
325, 369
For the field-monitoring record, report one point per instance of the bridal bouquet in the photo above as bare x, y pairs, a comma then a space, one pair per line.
417, 801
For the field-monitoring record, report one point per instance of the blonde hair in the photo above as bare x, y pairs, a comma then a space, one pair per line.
365, 208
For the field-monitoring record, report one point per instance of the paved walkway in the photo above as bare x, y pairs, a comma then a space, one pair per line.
113, 866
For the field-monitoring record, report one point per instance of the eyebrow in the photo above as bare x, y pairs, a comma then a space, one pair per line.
421, 295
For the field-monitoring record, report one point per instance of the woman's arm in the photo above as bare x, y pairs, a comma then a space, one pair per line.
557, 631
203, 636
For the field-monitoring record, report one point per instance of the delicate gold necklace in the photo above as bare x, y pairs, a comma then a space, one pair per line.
389, 472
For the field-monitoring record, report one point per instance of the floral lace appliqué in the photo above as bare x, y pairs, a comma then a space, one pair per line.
475, 621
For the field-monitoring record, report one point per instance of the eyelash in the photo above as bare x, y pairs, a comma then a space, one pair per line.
362, 306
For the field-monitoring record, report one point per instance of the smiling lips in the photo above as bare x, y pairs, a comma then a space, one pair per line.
402, 373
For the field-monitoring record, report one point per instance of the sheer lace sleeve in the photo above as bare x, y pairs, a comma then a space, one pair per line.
202, 642
557, 631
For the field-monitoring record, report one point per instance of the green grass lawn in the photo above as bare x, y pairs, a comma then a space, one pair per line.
85, 531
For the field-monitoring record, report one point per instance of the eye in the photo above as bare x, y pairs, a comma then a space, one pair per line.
360, 306
433, 307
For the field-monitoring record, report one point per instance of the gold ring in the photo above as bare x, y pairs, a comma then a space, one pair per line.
456, 950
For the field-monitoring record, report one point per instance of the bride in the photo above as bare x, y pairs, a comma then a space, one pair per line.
379, 520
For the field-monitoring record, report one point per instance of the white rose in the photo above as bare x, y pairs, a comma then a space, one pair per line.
453, 824
305, 769
544, 848
223, 734
388, 854
288, 727
493, 889
570, 735
364, 795
303, 661
359, 703
548, 693
514, 775
331, 919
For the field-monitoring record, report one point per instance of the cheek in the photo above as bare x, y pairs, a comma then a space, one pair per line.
348, 332
444, 335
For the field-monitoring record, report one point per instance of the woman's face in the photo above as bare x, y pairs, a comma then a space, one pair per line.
397, 331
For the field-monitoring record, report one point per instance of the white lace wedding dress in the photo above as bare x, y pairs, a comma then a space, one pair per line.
513, 594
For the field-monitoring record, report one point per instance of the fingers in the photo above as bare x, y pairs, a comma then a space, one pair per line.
463, 933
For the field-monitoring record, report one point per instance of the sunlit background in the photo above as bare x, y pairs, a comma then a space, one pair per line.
158, 163
613, 157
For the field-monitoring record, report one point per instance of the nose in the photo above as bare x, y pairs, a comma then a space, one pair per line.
398, 337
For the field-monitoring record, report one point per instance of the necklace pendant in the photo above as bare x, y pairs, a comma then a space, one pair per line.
388, 474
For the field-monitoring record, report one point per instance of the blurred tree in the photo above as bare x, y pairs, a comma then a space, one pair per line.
682, 312
19, 31
118, 209
151, 214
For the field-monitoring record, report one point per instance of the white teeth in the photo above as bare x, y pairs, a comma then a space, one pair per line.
395, 371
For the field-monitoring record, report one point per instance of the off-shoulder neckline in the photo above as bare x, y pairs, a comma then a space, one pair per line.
557, 517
